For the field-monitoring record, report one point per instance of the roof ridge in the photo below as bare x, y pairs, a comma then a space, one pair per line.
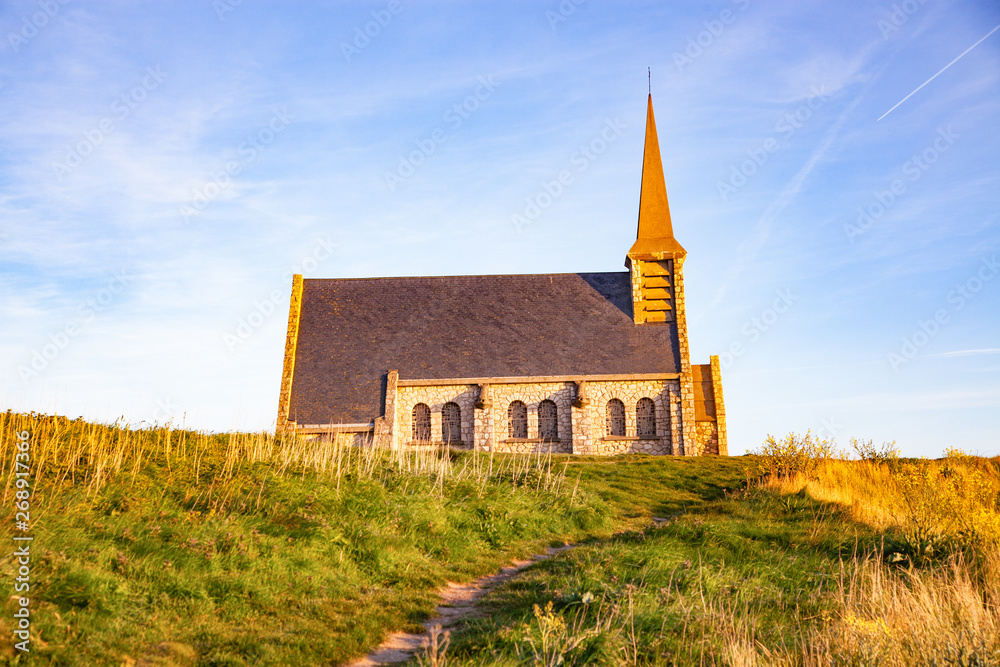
477, 275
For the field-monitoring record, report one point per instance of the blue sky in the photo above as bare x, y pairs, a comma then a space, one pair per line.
165, 168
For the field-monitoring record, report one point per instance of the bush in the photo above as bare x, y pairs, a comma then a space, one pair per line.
793, 454
866, 451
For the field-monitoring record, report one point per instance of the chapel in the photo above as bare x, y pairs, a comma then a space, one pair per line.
577, 363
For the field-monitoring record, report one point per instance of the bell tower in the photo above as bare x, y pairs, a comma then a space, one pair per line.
656, 267
656, 255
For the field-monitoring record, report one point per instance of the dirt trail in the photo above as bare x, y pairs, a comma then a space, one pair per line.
458, 603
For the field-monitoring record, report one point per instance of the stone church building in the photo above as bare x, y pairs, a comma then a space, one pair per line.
581, 363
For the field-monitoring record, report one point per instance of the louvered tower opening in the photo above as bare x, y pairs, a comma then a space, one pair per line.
657, 293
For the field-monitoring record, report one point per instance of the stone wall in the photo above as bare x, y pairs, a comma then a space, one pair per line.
689, 434
291, 342
581, 415
336, 436
590, 420
720, 406
708, 438
635, 278
435, 398
497, 435
613, 446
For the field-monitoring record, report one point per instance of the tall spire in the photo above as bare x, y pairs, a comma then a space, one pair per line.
655, 236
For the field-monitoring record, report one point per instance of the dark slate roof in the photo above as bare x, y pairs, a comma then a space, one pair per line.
353, 331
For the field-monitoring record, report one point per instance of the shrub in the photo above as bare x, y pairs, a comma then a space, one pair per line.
793, 454
948, 502
866, 451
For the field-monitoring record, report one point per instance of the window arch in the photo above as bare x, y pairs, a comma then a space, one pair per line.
451, 423
645, 417
548, 420
614, 422
421, 422
517, 420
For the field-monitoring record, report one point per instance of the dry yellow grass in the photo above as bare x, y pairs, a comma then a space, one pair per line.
928, 501
943, 612
936, 616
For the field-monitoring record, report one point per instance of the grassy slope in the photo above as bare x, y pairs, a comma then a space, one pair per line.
190, 558
310, 577
762, 576
767, 563
175, 558
647, 486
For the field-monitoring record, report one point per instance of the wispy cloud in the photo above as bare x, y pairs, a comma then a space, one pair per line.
748, 250
962, 353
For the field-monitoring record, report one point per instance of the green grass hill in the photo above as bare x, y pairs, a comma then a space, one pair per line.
169, 547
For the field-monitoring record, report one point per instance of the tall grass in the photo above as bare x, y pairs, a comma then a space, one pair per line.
918, 616
878, 616
934, 616
932, 596
89, 455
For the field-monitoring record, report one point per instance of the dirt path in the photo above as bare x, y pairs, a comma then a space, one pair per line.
458, 603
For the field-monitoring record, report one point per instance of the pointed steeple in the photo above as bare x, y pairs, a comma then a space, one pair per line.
655, 237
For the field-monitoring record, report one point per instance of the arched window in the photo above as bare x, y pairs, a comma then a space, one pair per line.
614, 422
421, 422
451, 423
517, 420
548, 421
645, 417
